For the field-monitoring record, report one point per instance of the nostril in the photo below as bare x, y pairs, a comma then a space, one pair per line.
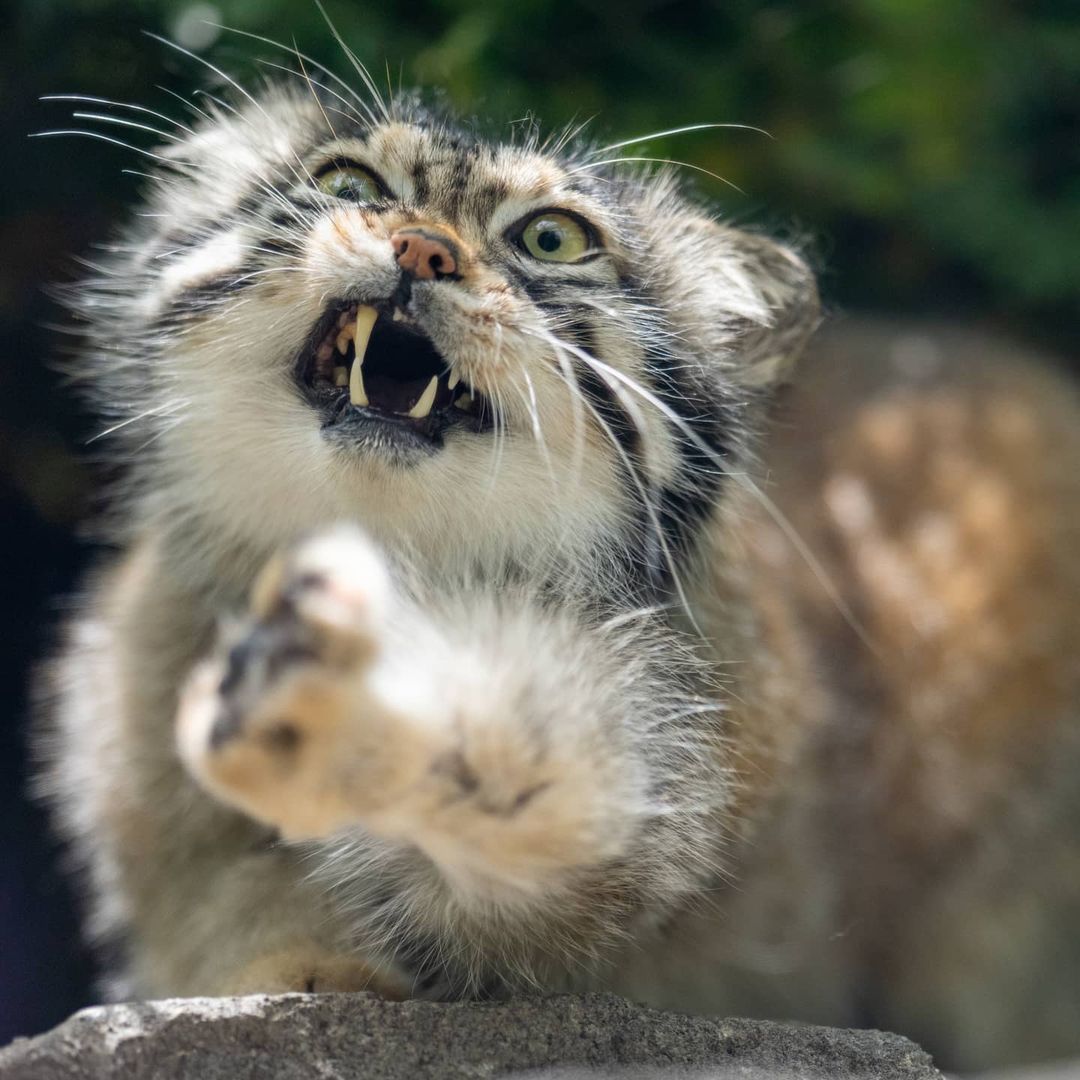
425, 255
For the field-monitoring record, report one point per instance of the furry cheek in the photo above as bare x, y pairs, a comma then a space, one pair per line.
349, 251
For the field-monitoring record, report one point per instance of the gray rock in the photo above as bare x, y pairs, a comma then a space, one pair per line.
345, 1036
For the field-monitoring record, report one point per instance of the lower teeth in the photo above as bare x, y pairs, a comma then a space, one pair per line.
423, 407
354, 327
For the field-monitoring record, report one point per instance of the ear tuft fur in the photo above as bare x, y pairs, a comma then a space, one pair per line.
746, 300
766, 348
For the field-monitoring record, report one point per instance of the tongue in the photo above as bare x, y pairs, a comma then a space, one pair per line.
393, 395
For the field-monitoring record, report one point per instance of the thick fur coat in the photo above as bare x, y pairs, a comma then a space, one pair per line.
624, 667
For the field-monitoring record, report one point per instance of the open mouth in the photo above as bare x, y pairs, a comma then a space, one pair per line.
375, 365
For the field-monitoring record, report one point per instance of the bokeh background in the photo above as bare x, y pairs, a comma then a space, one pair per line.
927, 151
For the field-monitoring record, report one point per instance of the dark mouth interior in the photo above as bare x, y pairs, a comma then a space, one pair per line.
398, 366
396, 372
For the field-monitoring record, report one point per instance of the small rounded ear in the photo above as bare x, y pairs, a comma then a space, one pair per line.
766, 345
744, 299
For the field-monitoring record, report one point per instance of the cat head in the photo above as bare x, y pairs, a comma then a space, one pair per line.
334, 307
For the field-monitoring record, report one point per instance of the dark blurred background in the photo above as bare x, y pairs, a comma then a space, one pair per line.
927, 150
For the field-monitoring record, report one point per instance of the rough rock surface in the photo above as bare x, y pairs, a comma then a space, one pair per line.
340, 1036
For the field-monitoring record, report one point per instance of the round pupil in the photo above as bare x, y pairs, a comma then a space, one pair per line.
549, 240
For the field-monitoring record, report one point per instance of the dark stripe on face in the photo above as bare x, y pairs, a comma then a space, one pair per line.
604, 400
667, 531
257, 207
257, 203
603, 397
421, 182
279, 245
458, 184
597, 390
484, 202
688, 500
262, 205
197, 300
547, 290
282, 219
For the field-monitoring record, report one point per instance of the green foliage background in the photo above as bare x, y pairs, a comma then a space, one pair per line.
931, 148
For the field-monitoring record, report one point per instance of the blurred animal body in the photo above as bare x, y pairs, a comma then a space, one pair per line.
501, 603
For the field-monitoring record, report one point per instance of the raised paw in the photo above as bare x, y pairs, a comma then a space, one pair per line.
333, 589
339, 705
281, 723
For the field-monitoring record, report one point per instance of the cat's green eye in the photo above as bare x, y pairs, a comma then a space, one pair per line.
349, 182
555, 237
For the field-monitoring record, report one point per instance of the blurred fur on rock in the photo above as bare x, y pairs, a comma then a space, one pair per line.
676, 680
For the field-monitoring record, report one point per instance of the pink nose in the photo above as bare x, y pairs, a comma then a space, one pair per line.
424, 253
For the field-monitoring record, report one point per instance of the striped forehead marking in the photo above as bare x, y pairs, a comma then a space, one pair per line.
463, 184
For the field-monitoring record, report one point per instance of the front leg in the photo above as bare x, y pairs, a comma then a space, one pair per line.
533, 758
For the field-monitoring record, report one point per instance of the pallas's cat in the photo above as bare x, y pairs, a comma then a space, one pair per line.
485, 614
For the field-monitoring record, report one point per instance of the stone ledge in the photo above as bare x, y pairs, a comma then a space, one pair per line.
347, 1036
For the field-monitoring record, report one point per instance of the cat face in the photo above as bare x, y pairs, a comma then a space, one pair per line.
478, 350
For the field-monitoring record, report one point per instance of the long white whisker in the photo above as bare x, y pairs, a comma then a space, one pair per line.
658, 161
173, 423
742, 478
811, 560
206, 63
265, 272
233, 83
647, 503
361, 103
119, 121
172, 162
347, 112
353, 59
534, 415
315, 96
675, 131
156, 178
88, 100
184, 101
631, 406
632, 469
570, 132
221, 103
566, 370
166, 408
499, 416
528, 400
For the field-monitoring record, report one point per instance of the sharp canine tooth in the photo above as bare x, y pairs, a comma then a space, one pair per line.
361, 332
341, 376
454, 379
464, 402
427, 399
357, 394
358, 330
